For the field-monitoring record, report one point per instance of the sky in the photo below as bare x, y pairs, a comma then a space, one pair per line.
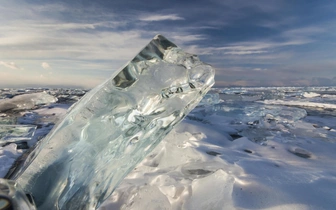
45, 43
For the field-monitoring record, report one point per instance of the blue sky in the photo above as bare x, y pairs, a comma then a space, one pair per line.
250, 43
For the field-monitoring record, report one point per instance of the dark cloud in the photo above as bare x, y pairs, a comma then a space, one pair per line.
320, 81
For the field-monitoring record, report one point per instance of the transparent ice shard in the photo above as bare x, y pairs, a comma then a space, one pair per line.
13, 197
16, 133
210, 99
114, 126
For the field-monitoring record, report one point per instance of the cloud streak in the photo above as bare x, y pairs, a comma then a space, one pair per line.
160, 17
246, 48
10, 65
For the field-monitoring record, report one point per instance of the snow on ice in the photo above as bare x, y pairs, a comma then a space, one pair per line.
237, 151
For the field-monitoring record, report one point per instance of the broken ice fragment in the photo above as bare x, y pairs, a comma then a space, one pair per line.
16, 133
300, 152
26, 101
114, 126
13, 197
210, 99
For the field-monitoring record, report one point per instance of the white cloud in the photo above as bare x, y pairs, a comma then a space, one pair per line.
160, 17
10, 65
189, 38
259, 69
46, 43
229, 50
14, 79
303, 32
73, 26
293, 37
247, 48
45, 65
246, 52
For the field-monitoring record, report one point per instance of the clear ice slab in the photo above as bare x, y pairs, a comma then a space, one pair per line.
16, 133
114, 126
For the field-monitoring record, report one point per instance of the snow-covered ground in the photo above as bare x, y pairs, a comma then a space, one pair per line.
242, 148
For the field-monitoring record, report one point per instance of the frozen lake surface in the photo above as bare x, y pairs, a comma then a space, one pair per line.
241, 148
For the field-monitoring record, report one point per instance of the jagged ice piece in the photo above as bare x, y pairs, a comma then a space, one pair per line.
13, 197
16, 133
114, 126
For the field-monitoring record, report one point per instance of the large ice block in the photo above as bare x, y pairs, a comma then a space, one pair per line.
114, 126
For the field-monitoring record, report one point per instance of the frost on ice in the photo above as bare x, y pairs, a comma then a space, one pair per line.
113, 127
